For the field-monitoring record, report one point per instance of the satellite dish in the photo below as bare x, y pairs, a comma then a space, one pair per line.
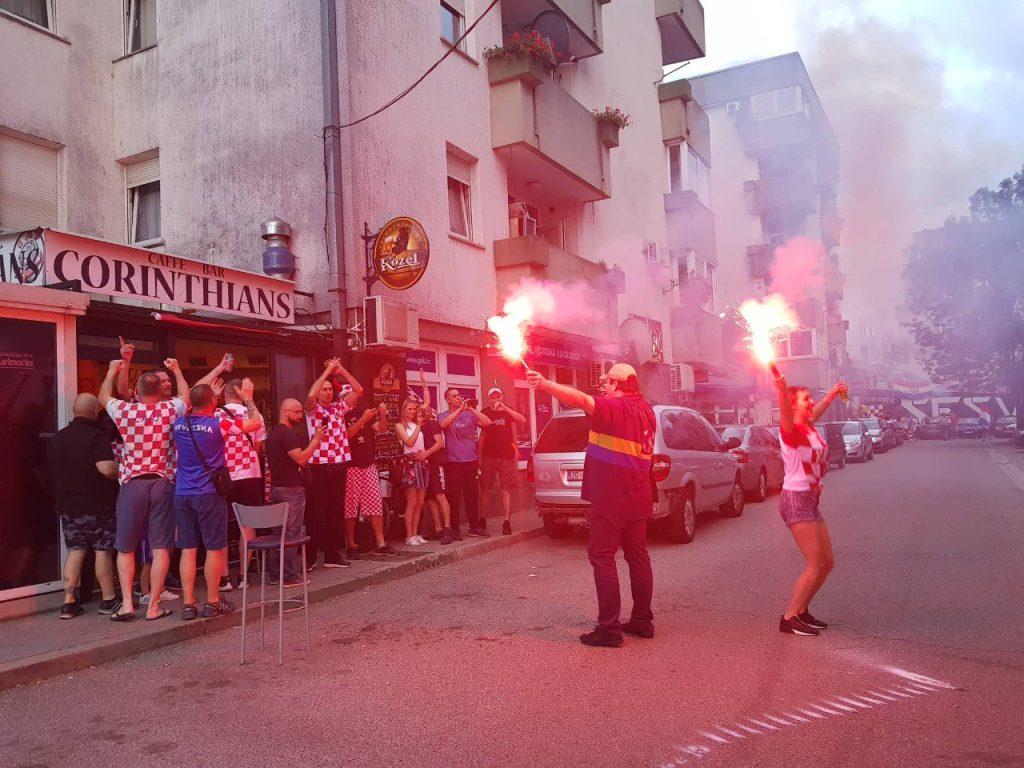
636, 338
555, 27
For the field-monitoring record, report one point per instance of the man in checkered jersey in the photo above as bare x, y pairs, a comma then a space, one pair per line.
242, 454
145, 502
326, 406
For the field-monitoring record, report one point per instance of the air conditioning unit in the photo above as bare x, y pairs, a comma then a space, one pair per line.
390, 323
732, 106
651, 252
680, 377
520, 222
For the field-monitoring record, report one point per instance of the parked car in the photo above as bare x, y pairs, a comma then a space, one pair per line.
1006, 426
832, 433
879, 441
759, 457
859, 445
693, 469
971, 428
929, 429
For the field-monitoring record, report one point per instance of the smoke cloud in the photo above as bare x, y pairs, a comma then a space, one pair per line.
797, 268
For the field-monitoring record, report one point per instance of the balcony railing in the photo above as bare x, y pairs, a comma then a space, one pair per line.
831, 229
691, 225
795, 192
577, 34
697, 336
834, 282
552, 144
681, 23
683, 119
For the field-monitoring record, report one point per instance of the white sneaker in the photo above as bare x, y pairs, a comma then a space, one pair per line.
165, 597
412, 542
421, 540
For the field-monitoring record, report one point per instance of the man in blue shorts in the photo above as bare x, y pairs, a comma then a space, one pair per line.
199, 509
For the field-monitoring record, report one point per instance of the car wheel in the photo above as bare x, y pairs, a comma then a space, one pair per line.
734, 506
681, 523
761, 492
555, 529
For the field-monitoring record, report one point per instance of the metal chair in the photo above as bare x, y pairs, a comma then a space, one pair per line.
271, 516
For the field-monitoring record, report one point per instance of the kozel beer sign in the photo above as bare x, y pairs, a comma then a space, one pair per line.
400, 253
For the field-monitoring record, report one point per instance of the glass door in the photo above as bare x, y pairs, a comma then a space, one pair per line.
30, 543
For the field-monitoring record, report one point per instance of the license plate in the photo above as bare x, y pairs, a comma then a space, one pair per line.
574, 475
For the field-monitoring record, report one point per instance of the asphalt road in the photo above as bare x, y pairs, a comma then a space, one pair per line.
477, 664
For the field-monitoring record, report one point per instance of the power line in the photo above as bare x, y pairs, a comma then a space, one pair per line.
420, 79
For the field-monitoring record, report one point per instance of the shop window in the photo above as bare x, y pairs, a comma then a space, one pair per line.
421, 360
142, 181
460, 365
453, 21
28, 185
39, 12
140, 25
468, 393
460, 199
417, 389
198, 357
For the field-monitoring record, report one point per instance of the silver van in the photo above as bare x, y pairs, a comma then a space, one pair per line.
693, 469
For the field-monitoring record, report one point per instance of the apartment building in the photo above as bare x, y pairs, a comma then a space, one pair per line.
775, 177
197, 176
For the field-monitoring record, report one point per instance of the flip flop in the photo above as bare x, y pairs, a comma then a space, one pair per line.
164, 613
122, 616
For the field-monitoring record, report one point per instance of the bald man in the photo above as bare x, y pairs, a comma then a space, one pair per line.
84, 477
286, 457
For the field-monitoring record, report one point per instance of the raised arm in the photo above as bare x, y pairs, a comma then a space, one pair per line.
382, 422
452, 416
121, 386
179, 378
314, 390
567, 395
215, 372
253, 419
357, 388
357, 426
821, 407
785, 407
107, 387
426, 390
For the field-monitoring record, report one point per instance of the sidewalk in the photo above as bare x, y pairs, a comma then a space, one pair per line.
41, 645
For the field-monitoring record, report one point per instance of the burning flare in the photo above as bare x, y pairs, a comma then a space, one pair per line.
518, 314
767, 320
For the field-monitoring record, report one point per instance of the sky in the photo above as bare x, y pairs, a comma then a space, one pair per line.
926, 98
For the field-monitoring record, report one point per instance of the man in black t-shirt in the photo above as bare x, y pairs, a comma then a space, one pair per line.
84, 476
362, 482
498, 454
285, 459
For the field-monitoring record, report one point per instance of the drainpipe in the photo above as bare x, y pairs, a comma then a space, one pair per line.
335, 223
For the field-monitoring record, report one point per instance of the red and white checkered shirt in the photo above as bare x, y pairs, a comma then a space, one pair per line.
239, 450
333, 449
146, 429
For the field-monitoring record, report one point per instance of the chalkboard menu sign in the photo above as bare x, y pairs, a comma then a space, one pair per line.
383, 377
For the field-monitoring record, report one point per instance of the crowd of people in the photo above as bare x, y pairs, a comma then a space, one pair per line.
146, 474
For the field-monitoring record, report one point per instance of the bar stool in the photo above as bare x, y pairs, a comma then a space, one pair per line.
271, 516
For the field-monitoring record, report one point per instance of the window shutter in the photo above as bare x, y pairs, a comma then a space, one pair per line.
28, 185
459, 168
459, 6
142, 172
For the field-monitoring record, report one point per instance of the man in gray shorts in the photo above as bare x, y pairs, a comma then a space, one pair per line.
146, 500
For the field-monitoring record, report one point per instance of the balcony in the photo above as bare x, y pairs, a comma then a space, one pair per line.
550, 142
831, 229
793, 192
683, 119
697, 337
837, 332
577, 33
136, 101
834, 282
531, 256
691, 226
681, 23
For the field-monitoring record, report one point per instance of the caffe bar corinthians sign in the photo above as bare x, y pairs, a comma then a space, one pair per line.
45, 257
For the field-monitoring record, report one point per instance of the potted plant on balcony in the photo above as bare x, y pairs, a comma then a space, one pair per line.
610, 121
522, 57
616, 278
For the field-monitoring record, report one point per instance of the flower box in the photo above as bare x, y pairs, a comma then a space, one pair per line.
608, 133
520, 66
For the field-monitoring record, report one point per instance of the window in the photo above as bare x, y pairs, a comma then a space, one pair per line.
142, 181
799, 343
140, 25
697, 268
453, 21
460, 365
684, 432
39, 12
694, 176
460, 201
28, 185
785, 101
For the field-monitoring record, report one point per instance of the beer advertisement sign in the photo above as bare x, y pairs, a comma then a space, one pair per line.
400, 253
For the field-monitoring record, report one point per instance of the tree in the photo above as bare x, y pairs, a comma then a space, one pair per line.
965, 290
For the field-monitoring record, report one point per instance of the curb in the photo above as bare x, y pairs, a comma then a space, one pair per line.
36, 668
